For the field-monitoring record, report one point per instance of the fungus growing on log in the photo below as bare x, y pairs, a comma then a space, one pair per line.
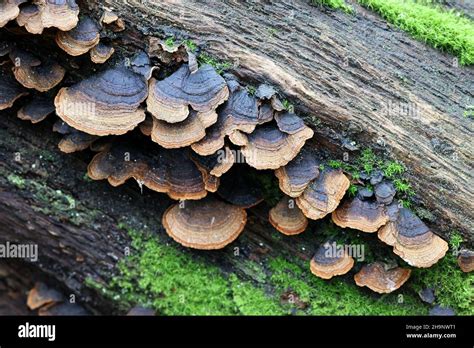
289, 123
29, 73
206, 224
104, 104
287, 217
385, 192
361, 215
62, 309
10, 89
185, 133
412, 240
327, 263
466, 260
240, 189
240, 112
323, 195
80, 39
73, 140
61, 14
213, 167
167, 171
36, 110
297, 174
9, 10
101, 53
377, 277
170, 99
42, 295
269, 148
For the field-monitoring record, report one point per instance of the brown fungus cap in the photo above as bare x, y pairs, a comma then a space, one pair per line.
214, 166
80, 39
10, 89
42, 78
207, 224
185, 133
412, 240
378, 278
9, 10
296, 175
327, 262
104, 104
287, 217
466, 260
108, 17
167, 171
269, 148
240, 112
361, 215
42, 295
36, 110
146, 126
76, 141
101, 53
323, 195
169, 99
289, 123
240, 188
61, 14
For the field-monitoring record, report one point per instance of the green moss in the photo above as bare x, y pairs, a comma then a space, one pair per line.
453, 288
288, 106
446, 30
455, 240
334, 4
392, 169
169, 42
190, 45
16, 180
220, 66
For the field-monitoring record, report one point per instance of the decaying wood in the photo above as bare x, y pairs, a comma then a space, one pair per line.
364, 79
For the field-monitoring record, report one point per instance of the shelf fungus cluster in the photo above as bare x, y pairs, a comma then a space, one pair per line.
181, 128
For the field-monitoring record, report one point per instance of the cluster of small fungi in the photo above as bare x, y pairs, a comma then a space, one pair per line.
192, 124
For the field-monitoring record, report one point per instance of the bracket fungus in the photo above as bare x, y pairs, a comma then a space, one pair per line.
412, 240
378, 278
287, 218
101, 53
36, 110
385, 192
9, 10
73, 140
170, 171
80, 39
297, 174
42, 77
322, 196
327, 263
466, 260
361, 215
41, 14
10, 89
185, 133
42, 295
240, 112
289, 123
269, 148
206, 224
104, 104
169, 99
213, 167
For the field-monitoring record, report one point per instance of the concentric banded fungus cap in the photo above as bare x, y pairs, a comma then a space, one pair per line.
147, 126
206, 224
141, 65
36, 110
61, 14
360, 215
214, 166
42, 78
108, 17
265, 91
239, 188
10, 89
412, 240
169, 171
265, 113
42, 295
289, 123
323, 195
107, 103
9, 10
80, 39
466, 260
240, 112
101, 53
76, 141
287, 218
269, 148
327, 262
378, 278
296, 175
169, 99
384, 192
185, 133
